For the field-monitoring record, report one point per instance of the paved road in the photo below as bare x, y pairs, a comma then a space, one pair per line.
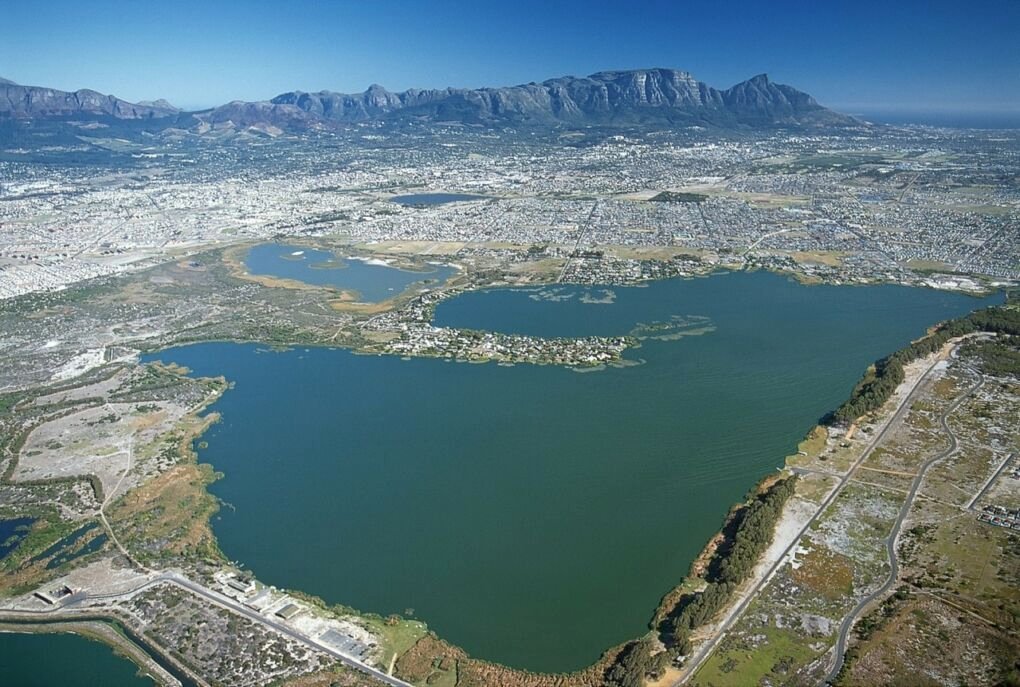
226, 601
892, 541
702, 654
991, 480
230, 604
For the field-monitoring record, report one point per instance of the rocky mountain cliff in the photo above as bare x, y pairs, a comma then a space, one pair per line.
38, 102
605, 98
614, 98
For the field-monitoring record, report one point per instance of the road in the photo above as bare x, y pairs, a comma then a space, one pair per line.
109, 497
991, 480
705, 650
767, 236
580, 236
892, 541
222, 601
230, 604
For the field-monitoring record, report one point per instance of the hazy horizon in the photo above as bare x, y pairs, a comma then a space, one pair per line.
917, 56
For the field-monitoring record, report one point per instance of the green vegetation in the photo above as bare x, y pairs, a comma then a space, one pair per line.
879, 618
886, 374
398, 635
750, 532
8, 401
637, 660
44, 534
678, 197
167, 518
777, 654
26, 566
998, 357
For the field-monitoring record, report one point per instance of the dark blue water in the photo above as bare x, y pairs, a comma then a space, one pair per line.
12, 532
63, 660
66, 542
535, 515
747, 310
93, 546
372, 283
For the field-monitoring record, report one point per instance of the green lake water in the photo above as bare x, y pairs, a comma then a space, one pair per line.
535, 515
48, 660
373, 282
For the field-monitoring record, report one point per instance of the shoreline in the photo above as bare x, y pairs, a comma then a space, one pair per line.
579, 678
781, 530
784, 529
124, 642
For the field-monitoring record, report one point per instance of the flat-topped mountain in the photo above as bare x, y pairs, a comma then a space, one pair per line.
38, 102
657, 97
604, 98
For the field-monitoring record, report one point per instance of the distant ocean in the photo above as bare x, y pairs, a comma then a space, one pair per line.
956, 120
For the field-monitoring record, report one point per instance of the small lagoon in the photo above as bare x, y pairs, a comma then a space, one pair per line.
429, 199
12, 532
371, 280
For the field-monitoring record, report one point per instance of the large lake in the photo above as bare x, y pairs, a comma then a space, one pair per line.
535, 515
372, 281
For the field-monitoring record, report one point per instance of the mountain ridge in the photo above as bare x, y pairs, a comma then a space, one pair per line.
606, 98
27, 102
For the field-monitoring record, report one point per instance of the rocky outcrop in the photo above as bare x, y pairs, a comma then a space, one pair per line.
36, 102
613, 97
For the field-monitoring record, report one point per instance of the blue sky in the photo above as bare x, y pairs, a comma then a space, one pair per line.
858, 56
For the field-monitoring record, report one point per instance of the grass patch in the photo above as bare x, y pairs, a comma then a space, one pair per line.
770, 660
396, 636
678, 197
169, 515
826, 572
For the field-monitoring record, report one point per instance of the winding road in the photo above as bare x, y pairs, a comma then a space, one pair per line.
692, 665
892, 541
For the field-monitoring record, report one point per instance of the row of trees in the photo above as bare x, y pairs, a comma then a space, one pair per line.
752, 530
753, 534
638, 659
998, 357
880, 381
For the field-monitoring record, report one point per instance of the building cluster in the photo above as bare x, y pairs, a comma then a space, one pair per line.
413, 334
897, 201
346, 637
1000, 516
467, 344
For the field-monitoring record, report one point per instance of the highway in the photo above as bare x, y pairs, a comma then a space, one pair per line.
705, 650
892, 541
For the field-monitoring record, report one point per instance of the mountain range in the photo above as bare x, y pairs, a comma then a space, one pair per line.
34, 101
610, 98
